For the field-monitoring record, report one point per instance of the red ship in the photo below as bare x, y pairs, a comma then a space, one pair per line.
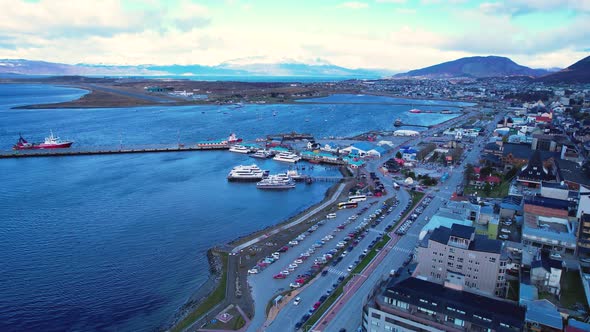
51, 142
415, 110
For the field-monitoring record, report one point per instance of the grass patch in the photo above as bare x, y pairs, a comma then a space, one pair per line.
367, 259
498, 191
416, 197
572, 290
212, 300
513, 290
239, 322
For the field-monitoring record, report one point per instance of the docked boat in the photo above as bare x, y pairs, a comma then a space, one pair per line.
279, 181
246, 173
51, 142
446, 112
415, 111
239, 149
261, 154
287, 157
233, 139
398, 123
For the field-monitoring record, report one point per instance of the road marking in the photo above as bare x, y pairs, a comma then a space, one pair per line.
337, 272
403, 250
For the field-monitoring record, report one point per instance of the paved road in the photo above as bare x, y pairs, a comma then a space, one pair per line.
349, 314
131, 94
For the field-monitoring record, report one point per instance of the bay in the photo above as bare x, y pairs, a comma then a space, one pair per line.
118, 242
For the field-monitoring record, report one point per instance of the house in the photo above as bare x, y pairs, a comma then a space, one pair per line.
542, 315
534, 172
546, 274
408, 153
377, 151
313, 145
330, 147
360, 149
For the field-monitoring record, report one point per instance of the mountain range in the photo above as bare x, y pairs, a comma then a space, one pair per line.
579, 72
474, 67
245, 67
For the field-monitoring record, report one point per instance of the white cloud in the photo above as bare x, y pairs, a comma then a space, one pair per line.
392, 1
521, 7
353, 5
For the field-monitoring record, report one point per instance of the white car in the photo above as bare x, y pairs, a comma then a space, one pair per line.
331, 216
253, 271
297, 301
505, 230
503, 237
294, 285
555, 255
285, 272
350, 267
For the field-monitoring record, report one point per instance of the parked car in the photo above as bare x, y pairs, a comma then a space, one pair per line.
297, 300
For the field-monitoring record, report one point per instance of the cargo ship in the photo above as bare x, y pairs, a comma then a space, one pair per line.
51, 142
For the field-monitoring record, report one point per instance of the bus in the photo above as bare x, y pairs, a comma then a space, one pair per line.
347, 205
357, 198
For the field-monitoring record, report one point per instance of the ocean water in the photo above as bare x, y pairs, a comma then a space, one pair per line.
118, 242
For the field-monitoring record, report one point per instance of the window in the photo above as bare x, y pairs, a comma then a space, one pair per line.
492, 259
459, 266
451, 250
426, 311
450, 264
460, 259
375, 322
451, 257
401, 304
375, 315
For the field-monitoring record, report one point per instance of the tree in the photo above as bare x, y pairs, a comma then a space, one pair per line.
398, 155
487, 189
469, 173
485, 172
412, 175
511, 173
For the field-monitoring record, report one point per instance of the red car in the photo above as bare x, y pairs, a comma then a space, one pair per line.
283, 249
279, 276
300, 281
317, 305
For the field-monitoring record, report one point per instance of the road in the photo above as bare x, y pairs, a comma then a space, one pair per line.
349, 314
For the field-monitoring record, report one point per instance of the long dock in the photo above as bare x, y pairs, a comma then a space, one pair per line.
106, 150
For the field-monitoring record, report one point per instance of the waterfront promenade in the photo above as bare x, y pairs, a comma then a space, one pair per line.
293, 223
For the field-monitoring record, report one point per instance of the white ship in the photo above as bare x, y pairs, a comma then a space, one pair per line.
279, 181
287, 157
261, 154
246, 173
239, 149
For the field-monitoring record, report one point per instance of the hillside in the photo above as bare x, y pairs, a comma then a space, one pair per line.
579, 72
475, 67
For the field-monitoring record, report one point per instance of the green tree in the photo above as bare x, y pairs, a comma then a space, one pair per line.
485, 172
487, 189
469, 173
398, 155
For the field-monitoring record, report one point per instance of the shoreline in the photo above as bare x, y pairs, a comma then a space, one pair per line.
117, 96
206, 289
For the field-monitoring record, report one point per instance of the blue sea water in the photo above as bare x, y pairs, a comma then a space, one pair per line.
118, 242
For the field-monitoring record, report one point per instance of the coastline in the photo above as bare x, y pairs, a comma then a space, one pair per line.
113, 95
214, 279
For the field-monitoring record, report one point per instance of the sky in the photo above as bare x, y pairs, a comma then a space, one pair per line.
397, 35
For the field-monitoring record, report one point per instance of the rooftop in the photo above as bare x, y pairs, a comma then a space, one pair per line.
486, 311
480, 243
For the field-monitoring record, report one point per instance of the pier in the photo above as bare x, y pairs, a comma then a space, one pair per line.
289, 136
107, 150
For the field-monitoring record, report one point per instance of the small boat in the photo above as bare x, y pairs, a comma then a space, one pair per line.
261, 154
279, 181
247, 173
398, 123
51, 142
415, 111
274, 113
287, 157
239, 149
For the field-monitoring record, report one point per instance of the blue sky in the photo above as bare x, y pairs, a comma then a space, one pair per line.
392, 34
